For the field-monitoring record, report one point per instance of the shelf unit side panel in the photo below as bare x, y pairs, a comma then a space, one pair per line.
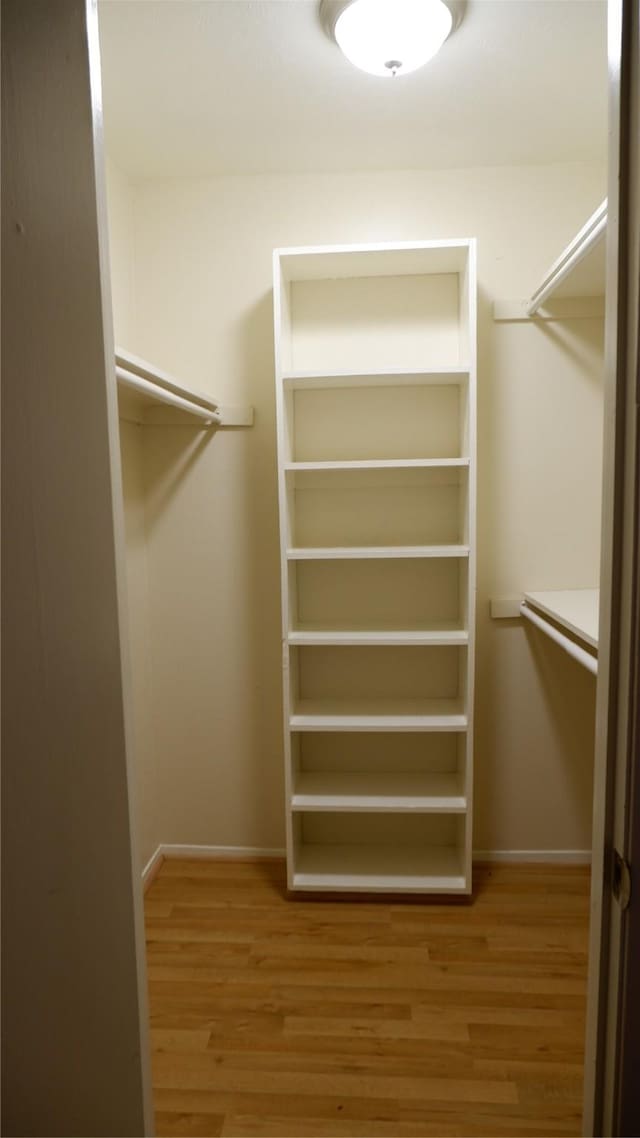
282, 342
469, 320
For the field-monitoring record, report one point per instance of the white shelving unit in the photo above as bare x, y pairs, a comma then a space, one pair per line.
376, 410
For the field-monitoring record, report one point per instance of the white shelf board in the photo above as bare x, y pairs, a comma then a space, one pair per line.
370, 869
401, 377
577, 610
377, 637
372, 792
378, 715
378, 464
381, 552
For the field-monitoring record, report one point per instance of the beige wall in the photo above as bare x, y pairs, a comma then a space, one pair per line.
122, 252
203, 310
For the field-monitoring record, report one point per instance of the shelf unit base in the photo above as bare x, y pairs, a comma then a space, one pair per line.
379, 869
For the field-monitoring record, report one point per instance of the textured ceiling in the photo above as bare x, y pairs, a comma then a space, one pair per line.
201, 87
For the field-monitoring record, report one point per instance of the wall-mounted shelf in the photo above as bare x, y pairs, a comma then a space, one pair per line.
574, 286
569, 617
576, 610
147, 395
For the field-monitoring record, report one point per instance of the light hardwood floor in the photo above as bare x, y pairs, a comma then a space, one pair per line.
278, 1017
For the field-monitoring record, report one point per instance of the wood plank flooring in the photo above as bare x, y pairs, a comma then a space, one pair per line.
273, 1017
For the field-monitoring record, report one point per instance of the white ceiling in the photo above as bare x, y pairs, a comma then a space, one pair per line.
201, 87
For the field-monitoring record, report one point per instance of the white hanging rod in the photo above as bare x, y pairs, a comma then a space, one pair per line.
163, 395
580, 247
161, 378
585, 658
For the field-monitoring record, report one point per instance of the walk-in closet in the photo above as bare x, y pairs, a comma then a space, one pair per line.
328, 649
357, 328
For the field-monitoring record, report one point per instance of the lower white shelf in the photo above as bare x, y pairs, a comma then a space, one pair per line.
379, 715
379, 552
377, 869
435, 637
394, 791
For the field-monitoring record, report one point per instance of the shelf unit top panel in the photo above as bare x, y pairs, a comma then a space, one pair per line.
335, 262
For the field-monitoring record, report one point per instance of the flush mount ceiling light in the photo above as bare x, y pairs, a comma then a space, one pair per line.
388, 37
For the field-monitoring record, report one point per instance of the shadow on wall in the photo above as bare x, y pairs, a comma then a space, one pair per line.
570, 694
576, 340
535, 731
181, 448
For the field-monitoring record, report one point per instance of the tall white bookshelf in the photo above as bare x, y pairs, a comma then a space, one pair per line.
376, 416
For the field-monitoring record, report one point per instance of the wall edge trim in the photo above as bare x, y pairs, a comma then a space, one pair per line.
152, 868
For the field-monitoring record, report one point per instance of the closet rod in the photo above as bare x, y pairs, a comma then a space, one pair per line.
162, 395
585, 658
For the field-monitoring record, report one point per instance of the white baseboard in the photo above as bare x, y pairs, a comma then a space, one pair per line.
232, 853
524, 857
260, 853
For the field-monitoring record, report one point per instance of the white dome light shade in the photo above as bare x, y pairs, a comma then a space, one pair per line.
392, 37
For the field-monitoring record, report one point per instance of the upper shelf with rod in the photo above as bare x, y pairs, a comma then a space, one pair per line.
150, 396
574, 285
568, 616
